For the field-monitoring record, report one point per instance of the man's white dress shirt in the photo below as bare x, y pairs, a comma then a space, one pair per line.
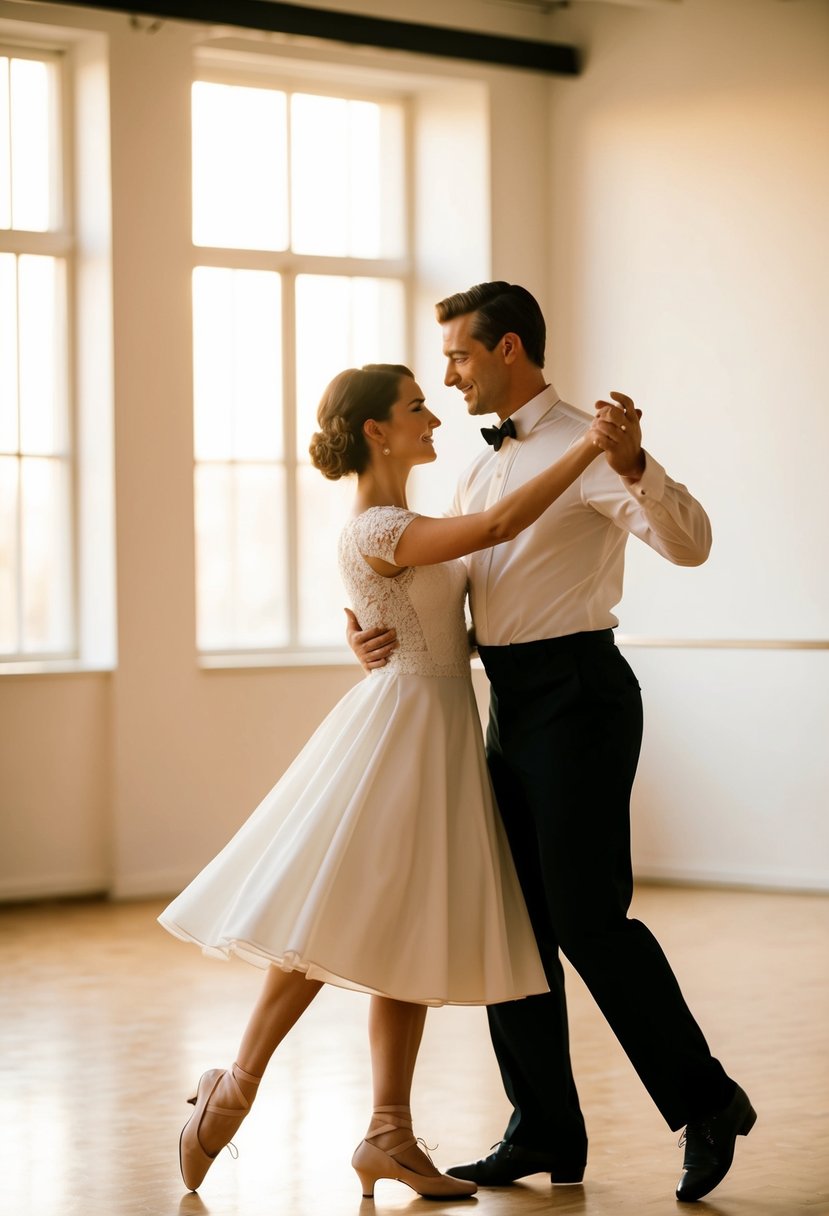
564, 573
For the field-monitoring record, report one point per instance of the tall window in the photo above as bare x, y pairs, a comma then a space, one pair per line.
300, 224
36, 494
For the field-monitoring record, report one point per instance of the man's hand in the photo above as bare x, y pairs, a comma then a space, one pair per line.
371, 646
617, 432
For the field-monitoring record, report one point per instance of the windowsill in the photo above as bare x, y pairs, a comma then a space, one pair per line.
54, 667
265, 661
270, 659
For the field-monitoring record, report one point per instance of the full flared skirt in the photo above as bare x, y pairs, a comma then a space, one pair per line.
378, 861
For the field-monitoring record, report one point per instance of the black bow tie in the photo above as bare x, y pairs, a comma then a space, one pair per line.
497, 434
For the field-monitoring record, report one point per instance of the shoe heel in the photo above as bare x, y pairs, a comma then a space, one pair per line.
747, 1123
367, 1182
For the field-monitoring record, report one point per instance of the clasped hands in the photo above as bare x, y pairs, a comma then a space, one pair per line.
615, 429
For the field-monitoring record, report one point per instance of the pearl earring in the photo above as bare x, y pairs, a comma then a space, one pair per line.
387, 451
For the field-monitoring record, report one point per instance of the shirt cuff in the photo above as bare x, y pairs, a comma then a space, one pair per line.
651, 485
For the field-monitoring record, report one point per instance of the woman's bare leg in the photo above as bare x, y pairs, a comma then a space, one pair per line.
284, 998
395, 1029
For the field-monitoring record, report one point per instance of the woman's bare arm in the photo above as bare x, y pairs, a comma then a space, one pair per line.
428, 541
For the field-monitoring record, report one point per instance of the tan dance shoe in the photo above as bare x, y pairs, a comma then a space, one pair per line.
219, 1094
372, 1163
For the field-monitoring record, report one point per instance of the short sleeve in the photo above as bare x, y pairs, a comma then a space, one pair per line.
378, 531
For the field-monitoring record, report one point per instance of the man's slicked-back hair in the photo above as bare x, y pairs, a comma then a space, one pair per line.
499, 308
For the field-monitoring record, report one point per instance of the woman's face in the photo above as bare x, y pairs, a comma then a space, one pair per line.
408, 429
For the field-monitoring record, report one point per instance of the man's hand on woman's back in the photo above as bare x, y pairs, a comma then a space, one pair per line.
371, 646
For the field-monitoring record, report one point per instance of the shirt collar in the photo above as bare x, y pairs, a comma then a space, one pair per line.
527, 416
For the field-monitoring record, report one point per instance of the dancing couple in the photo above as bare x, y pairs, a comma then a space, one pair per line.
380, 861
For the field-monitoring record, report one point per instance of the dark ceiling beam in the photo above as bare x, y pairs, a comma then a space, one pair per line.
444, 41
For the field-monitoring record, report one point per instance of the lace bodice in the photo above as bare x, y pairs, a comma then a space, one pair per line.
425, 604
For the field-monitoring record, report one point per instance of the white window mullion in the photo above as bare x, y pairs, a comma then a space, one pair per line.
287, 263
43, 244
18, 549
288, 160
18, 560
73, 431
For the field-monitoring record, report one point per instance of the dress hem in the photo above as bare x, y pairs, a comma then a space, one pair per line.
291, 960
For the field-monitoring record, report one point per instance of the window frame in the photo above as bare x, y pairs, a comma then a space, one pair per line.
59, 241
289, 265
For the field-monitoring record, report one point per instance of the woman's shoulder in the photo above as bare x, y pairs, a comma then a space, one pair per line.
381, 517
377, 530
388, 508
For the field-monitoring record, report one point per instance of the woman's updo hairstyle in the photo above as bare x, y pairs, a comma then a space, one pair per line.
339, 447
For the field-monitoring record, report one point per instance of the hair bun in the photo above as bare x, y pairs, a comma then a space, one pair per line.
329, 449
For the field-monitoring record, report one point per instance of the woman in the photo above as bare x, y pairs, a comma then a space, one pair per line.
378, 861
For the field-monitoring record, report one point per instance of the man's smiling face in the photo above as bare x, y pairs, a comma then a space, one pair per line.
479, 374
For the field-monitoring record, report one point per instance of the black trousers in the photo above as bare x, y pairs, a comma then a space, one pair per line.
563, 743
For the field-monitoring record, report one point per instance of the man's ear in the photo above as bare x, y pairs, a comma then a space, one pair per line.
511, 347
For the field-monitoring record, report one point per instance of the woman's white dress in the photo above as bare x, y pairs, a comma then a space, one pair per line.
378, 861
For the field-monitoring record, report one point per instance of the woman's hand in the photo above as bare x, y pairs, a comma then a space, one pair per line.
616, 430
371, 646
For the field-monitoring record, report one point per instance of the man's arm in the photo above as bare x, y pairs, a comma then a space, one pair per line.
668, 519
371, 646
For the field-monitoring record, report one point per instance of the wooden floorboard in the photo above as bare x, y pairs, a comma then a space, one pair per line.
106, 1023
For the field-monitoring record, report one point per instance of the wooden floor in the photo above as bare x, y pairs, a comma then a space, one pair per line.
106, 1023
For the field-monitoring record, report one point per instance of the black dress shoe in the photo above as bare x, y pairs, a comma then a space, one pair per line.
509, 1162
709, 1147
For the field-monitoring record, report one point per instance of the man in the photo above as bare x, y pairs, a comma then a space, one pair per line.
563, 743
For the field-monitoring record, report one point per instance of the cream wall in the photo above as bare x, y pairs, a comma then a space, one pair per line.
690, 267
55, 761
605, 196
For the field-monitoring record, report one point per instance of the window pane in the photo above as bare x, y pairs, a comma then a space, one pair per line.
8, 353
346, 172
5, 147
237, 364
325, 506
214, 556
241, 557
33, 149
342, 322
320, 186
46, 549
43, 413
8, 555
239, 167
